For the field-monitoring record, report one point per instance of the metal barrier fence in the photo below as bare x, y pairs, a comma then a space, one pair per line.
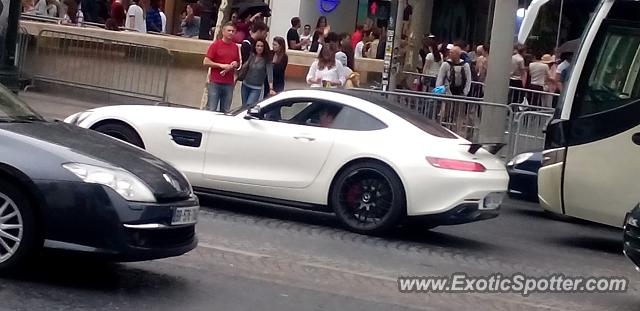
22, 46
426, 83
123, 68
526, 128
463, 115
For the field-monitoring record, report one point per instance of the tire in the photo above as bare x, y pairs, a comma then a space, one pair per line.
14, 255
122, 132
368, 198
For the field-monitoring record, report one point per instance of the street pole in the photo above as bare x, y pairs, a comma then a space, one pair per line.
496, 89
487, 32
8, 37
392, 50
559, 23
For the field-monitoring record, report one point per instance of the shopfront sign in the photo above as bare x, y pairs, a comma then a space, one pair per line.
328, 6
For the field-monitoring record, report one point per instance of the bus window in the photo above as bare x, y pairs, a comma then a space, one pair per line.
611, 78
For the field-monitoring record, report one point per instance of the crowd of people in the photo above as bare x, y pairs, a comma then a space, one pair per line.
447, 68
243, 55
451, 68
112, 13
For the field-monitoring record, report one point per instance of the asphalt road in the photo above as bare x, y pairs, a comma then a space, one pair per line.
262, 258
281, 259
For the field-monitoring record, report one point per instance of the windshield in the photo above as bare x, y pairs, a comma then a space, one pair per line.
13, 109
611, 76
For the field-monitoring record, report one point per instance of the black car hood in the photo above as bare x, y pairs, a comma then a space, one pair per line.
71, 143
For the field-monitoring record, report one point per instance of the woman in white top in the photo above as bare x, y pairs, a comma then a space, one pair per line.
326, 71
367, 37
432, 65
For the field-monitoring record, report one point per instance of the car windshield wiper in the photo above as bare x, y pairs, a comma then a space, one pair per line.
29, 118
23, 119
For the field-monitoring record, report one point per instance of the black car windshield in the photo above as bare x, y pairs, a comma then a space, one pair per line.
13, 109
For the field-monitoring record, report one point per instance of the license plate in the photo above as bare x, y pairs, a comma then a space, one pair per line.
185, 215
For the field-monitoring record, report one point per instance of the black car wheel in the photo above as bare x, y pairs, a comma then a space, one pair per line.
368, 198
122, 132
19, 238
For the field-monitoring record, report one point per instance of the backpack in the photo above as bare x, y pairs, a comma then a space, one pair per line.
453, 87
250, 50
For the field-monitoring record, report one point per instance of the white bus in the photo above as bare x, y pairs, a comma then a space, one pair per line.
591, 166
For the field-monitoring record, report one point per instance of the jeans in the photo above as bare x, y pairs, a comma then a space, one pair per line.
221, 94
250, 96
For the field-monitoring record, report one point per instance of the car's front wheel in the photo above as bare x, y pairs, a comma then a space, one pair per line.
18, 229
368, 197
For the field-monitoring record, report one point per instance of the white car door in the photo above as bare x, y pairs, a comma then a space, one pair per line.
274, 152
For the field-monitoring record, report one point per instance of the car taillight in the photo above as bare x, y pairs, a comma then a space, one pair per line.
457, 165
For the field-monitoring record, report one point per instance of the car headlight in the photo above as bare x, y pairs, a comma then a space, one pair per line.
520, 158
188, 182
124, 183
632, 221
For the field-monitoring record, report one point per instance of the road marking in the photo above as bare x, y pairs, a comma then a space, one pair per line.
301, 263
367, 275
503, 299
231, 250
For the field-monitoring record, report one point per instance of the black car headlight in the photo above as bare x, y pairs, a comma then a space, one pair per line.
520, 159
632, 221
130, 187
553, 156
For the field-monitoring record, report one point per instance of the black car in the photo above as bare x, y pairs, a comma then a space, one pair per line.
523, 176
632, 236
69, 188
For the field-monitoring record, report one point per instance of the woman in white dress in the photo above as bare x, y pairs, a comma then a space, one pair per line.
432, 65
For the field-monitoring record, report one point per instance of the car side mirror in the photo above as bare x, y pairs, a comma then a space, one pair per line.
253, 113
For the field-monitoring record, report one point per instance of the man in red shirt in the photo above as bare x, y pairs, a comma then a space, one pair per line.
357, 36
223, 58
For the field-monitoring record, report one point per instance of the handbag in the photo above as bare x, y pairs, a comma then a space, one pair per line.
242, 72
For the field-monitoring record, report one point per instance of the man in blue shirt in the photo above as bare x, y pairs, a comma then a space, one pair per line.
463, 46
154, 20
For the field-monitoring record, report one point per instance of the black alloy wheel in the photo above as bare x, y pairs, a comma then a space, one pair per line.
368, 198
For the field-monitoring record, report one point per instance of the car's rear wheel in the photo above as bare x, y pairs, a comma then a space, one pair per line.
120, 131
19, 238
368, 197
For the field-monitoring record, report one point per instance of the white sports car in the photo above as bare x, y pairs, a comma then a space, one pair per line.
371, 162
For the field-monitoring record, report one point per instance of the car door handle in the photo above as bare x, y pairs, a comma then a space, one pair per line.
636, 138
304, 138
